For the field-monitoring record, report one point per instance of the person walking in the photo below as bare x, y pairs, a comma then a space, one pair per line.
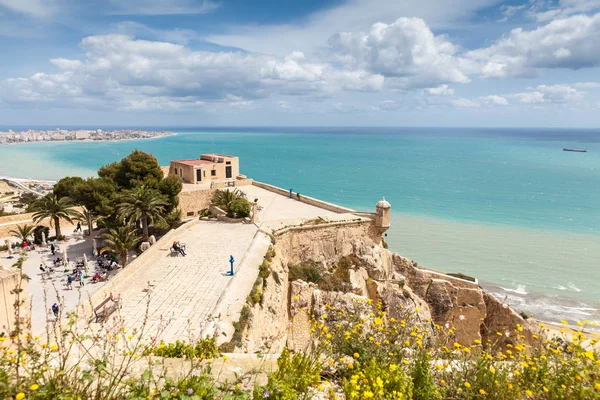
55, 310
52, 248
70, 282
81, 281
78, 229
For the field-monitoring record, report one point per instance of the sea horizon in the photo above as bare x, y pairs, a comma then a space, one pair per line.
509, 208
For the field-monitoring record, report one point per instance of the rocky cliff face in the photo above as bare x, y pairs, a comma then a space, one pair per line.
352, 252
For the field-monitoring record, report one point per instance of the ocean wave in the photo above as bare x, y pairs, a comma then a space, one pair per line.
519, 290
560, 287
572, 286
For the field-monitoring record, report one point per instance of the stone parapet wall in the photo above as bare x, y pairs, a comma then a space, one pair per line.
190, 203
232, 183
16, 218
305, 199
159, 249
26, 219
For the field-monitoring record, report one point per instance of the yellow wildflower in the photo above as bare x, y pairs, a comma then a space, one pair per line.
482, 392
467, 385
20, 396
529, 393
34, 387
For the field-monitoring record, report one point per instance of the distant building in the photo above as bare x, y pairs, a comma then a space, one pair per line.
208, 168
81, 135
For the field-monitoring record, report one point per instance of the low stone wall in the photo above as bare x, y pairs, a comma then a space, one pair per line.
157, 250
192, 202
10, 222
305, 199
233, 183
15, 218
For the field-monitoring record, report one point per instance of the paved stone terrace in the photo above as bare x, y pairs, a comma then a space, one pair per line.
183, 291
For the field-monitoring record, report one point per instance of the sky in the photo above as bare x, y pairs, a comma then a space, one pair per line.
532, 63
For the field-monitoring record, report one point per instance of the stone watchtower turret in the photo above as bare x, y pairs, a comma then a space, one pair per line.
382, 216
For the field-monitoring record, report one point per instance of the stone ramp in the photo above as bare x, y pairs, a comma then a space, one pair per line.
180, 293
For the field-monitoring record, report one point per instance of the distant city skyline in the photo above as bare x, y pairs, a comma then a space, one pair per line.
203, 63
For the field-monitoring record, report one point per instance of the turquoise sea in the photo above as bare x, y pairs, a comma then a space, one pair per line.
507, 206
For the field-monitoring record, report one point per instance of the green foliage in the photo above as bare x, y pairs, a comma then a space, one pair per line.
55, 209
27, 200
37, 233
119, 241
307, 273
294, 377
204, 349
234, 203
137, 169
170, 187
256, 294
22, 232
264, 270
68, 187
422, 379
143, 204
336, 278
240, 208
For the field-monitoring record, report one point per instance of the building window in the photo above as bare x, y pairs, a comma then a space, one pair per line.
190, 214
228, 163
213, 172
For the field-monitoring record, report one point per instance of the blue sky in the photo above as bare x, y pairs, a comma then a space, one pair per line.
333, 62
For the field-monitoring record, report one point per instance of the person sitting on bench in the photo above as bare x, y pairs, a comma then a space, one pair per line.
178, 248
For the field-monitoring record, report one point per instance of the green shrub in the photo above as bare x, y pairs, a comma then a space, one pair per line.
307, 273
240, 208
294, 377
205, 348
37, 234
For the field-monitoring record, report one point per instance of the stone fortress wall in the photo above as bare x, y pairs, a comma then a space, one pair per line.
282, 317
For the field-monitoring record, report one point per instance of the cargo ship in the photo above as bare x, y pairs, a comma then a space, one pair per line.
575, 150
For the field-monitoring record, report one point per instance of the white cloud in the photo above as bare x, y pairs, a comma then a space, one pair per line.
572, 43
125, 73
133, 28
566, 8
493, 100
351, 16
510, 11
406, 51
441, 90
587, 85
550, 94
162, 7
34, 8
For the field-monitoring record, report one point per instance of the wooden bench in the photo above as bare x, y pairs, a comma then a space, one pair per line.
104, 309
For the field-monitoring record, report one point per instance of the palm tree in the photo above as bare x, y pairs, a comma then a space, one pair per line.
55, 209
89, 217
224, 198
119, 241
143, 204
22, 232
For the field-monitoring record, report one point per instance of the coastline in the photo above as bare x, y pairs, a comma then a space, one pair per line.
90, 140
